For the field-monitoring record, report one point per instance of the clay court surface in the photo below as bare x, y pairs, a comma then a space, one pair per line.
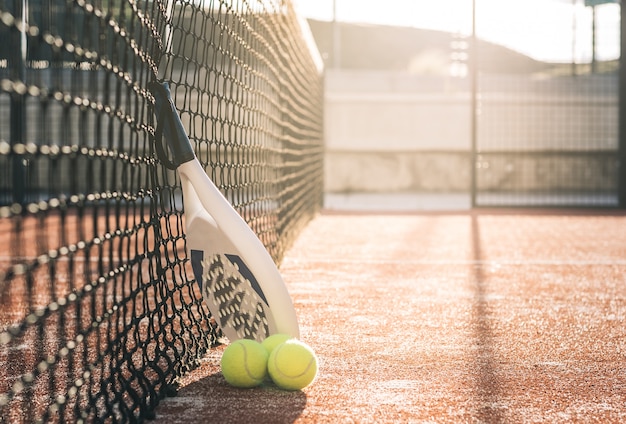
461, 317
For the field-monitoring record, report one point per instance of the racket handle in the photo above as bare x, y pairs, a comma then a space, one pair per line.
169, 124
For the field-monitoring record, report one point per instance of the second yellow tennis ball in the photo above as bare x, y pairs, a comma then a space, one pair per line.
244, 363
274, 340
292, 365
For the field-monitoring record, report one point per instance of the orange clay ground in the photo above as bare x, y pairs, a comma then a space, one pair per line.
462, 317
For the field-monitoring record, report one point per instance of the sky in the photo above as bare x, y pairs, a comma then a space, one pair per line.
550, 30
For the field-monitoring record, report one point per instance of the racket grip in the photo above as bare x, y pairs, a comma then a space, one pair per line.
169, 124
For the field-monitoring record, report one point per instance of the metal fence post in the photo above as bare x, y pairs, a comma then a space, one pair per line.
17, 62
622, 110
473, 72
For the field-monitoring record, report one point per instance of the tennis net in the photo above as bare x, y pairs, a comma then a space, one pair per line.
99, 312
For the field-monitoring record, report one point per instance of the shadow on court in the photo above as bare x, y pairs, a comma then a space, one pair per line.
210, 399
488, 384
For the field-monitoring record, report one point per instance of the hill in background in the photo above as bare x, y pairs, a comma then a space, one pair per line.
420, 51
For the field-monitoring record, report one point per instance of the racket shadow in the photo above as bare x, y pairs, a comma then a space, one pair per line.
212, 399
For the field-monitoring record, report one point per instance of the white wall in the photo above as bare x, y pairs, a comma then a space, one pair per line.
392, 131
388, 131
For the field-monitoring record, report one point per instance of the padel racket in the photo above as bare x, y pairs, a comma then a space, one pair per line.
238, 279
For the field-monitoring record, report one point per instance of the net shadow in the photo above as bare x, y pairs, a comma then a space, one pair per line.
488, 388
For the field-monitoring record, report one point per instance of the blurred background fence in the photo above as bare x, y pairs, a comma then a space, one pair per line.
476, 108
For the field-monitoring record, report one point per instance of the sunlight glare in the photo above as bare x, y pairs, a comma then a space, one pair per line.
549, 30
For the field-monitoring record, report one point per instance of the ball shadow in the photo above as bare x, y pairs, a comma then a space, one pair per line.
212, 398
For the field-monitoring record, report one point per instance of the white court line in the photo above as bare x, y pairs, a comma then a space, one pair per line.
29, 259
620, 262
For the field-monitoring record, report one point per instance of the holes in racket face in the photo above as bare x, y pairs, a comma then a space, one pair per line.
234, 297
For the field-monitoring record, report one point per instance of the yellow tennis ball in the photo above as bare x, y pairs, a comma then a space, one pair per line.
244, 363
274, 340
292, 365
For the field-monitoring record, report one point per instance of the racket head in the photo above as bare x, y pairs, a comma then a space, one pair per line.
239, 308
239, 281
231, 291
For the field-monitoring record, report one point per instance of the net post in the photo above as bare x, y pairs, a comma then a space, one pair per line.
622, 111
18, 105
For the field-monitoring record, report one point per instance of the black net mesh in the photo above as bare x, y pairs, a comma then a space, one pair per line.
99, 312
